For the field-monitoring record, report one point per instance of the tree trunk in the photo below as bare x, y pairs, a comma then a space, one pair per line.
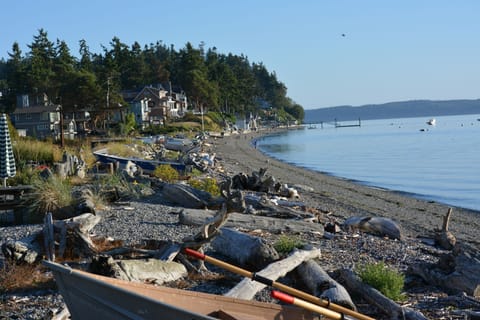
252, 222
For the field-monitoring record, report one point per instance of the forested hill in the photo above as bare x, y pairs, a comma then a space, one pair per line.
391, 110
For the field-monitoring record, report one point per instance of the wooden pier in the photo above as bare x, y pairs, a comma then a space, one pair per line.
338, 125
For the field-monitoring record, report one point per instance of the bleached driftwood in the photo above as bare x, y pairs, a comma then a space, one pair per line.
246, 289
322, 285
374, 297
48, 237
84, 222
244, 249
252, 222
209, 229
269, 208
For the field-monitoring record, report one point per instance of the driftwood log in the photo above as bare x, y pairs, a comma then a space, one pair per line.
374, 297
257, 181
322, 285
246, 289
73, 235
244, 249
457, 271
270, 207
443, 237
252, 222
55, 239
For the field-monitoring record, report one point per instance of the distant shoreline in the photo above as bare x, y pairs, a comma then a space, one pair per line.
343, 197
394, 110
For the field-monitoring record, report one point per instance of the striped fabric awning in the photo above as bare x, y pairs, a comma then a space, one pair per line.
7, 160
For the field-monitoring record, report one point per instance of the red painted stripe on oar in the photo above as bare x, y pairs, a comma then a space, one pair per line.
306, 305
277, 285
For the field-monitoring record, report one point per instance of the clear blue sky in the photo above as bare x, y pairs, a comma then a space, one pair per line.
392, 50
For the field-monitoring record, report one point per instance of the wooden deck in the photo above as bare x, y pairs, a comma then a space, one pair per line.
13, 199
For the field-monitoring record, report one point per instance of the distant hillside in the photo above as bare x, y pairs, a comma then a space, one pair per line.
392, 110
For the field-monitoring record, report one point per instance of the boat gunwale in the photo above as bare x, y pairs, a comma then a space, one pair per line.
213, 299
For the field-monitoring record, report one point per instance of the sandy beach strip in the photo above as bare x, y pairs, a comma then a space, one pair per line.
344, 198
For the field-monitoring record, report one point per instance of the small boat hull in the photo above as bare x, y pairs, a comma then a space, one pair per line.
148, 166
90, 296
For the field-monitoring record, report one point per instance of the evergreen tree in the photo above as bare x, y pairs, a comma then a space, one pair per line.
41, 72
85, 56
193, 77
15, 76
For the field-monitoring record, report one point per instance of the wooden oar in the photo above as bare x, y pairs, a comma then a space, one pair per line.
278, 285
306, 305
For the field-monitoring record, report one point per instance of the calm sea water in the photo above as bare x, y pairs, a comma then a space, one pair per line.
439, 163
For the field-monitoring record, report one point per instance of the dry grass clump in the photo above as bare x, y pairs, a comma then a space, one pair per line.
30, 150
51, 194
24, 277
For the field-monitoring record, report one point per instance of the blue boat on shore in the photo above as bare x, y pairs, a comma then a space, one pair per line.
148, 166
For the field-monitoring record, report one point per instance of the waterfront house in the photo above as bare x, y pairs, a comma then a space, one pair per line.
152, 105
35, 116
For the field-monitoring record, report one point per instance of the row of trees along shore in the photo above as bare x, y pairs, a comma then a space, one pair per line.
218, 82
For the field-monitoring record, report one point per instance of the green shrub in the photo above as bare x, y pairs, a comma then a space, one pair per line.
388, 281
285, 244
117, 186
209, 185
166, 172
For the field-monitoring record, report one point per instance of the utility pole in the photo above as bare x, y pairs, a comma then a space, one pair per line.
201, 110
108, 104
62, 138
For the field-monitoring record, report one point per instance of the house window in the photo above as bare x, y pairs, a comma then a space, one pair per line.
54, 117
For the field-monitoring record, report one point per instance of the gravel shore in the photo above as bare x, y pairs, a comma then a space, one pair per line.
153, 218
344, 198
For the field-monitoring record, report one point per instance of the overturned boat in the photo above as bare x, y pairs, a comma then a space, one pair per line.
148, 166
90, 296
